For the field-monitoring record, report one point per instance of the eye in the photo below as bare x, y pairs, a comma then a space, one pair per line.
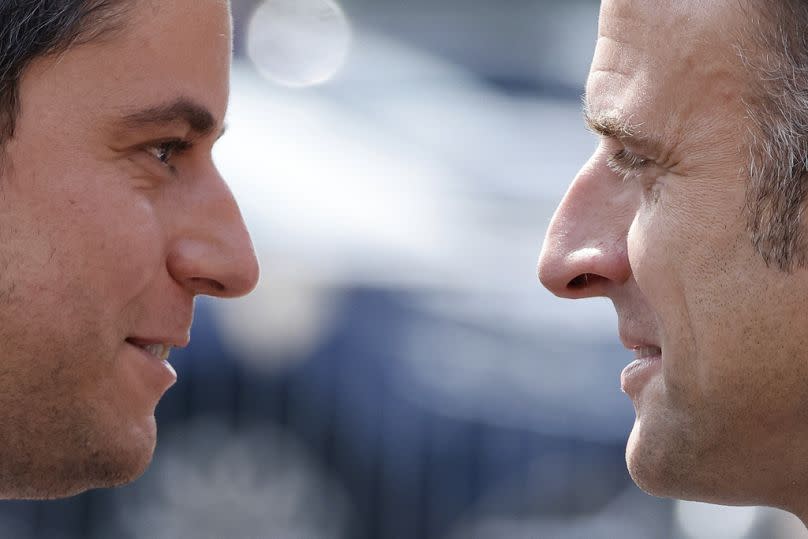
165, 151
632, 167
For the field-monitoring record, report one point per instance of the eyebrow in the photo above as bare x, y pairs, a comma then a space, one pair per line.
181, 110
611, 125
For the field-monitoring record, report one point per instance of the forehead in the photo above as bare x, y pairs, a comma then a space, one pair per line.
665, 65
160, 52
179, 19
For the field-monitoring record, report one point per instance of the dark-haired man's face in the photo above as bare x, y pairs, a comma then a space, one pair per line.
656, 222
112, 218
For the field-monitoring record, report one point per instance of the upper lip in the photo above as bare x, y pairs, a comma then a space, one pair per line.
632, 342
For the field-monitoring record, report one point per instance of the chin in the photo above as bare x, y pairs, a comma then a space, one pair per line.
660, 465
667, 463
644, 474
54, 487
116, 464
112, 460
103, 471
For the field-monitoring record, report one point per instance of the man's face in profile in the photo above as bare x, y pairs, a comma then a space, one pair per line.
656, 221
112, 218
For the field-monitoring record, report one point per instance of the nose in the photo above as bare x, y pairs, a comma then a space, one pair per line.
213, 254
585, 251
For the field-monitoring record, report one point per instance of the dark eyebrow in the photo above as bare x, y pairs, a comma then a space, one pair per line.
184, 110
611, 125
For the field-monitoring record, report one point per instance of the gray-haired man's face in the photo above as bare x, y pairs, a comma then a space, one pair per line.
655, 221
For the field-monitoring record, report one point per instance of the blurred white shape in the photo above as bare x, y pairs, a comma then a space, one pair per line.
409, 174
298, 42
780, 524
699, 520
317, 182
282, 320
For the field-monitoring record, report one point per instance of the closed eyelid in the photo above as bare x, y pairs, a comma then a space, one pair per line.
627, 164
628, 160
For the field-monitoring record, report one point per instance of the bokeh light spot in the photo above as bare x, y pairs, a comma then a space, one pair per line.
298, 43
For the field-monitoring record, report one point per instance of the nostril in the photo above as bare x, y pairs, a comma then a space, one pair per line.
585, 280
579, 282
209, 285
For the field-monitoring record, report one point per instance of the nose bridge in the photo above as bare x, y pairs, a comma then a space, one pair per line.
585, 249
213, 254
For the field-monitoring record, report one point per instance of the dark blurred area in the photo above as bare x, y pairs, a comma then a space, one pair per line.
399, 373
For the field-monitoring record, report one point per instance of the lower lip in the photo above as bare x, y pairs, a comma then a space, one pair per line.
637, 374
159, 372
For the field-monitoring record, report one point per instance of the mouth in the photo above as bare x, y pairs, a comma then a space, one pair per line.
159, 351
153, 365
647, 352
647, 362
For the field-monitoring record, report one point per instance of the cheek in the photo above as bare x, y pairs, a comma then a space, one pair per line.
98, 245
656, 260
657, 254
693, 262
123, 243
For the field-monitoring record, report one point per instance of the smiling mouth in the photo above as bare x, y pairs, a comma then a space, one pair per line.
159, 351
647, 362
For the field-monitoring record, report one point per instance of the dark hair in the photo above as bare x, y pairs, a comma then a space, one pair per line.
30, 29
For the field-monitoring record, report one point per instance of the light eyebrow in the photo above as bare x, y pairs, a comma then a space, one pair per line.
608, 125
183, 109
611, 125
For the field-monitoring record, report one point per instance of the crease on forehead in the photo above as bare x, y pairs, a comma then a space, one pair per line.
649, 53
667, 33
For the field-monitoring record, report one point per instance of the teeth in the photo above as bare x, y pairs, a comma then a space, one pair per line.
647, 352
160, 351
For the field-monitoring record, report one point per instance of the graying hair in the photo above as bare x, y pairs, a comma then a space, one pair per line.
30, 29
778, 110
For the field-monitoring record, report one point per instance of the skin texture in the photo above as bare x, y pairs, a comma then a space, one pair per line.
101, 241
725, 417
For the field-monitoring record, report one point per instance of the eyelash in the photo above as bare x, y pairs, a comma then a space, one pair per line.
167, 149
626, 163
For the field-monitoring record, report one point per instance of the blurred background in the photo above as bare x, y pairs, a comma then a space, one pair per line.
398, 373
